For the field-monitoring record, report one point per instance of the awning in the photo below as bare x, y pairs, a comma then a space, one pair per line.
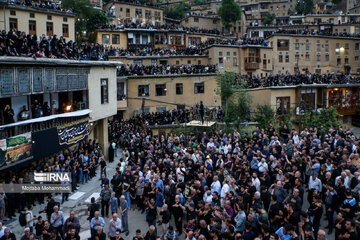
51, 117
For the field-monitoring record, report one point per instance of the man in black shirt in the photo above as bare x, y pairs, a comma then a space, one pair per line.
99, 235
93, 208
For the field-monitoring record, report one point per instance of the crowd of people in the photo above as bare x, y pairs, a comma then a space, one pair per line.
296, 79
152, 51
141, 70
242, 41
41, 4
271, 184
170, 27
82, 162
17, 43
314, 32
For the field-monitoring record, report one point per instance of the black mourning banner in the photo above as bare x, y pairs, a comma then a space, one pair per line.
74, 132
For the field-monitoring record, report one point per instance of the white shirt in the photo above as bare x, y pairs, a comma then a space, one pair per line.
210, 144
263, 166
29, 218
256, 183
225, 188
216, 187
180, 173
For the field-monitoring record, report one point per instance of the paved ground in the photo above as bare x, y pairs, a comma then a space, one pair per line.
80, 200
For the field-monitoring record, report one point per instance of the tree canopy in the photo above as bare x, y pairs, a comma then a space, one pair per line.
88, 17
229, 12
304, 6
177, 11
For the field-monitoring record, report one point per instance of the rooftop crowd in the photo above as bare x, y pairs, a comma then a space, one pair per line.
141, 70
296, 79
17, 43
40, 4
314, 32
243, 41
151, 51
169, 27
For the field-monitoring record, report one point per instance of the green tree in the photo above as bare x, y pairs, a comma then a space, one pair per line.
304, 6
225, 82
269, 18
229, 12
177, 11
264, 115
326, 118
88, 17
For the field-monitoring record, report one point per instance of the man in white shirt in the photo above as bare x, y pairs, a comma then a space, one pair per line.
216, 185
256, 182
262, 165
225, 188
29, 217
210, 144
114, 224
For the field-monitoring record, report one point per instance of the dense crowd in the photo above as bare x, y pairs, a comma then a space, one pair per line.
82, 162
41, 4
17, 43
272, 184
151, 51
170, 27
296, 79
243, 41
141, 70
314, 32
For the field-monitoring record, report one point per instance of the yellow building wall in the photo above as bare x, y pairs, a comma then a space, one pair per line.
209, 97
123, 39
23, 18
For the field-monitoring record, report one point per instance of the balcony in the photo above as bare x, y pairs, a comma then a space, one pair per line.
252, 66
121, 104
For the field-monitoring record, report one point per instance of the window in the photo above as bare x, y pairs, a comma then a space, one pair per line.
65, 29
143, 91
160, 89
179, 89
32, 15
327, 58
309, 99
280, 58
13, 23
282, 105
196, 19
227, 59
49, 29
307, 57
199, 87
338, 61
64, 19
115, 39
104, 91
49, 17
357, 46
227, 53
234, 61
283, 45
221, 62
318, 58
220, 54
157, 16
105, 39
188, 61
138, 12
307, 46
147, 14
356, 58
160, 108
12, 12
32, 27
287, 58
128, 12
234, 53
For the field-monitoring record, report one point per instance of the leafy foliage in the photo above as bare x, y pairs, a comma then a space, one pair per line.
198, 2
177, 11
269, 18
326, 118
264, 115
229, 12
87, 16
304, 6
